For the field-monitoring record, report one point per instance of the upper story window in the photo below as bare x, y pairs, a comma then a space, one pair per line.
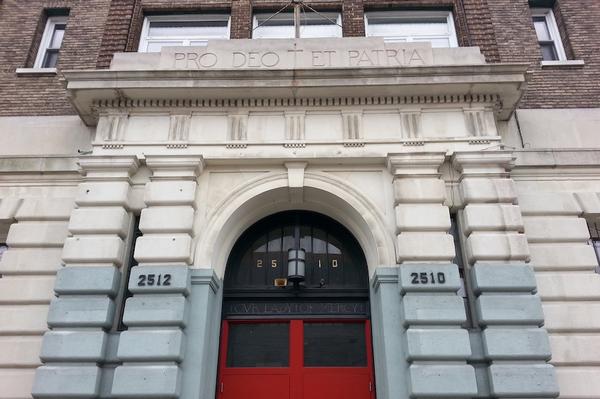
548, 35
436, 27
594, 229
281, 26
47, 56
182, 30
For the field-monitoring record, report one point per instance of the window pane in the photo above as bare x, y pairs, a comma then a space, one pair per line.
541, 28
258, 345
334, 345
548, 52
188, 29
156, 46
57, 36
281, 26
50, 59
435, 42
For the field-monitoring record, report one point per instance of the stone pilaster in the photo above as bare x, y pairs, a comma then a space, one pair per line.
86, 287
152, 349
422, 219
509, 312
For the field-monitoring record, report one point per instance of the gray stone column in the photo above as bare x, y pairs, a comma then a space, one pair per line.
509, 312
152, 349
86, 287
421, 316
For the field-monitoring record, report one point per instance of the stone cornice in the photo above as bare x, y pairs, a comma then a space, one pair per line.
96, 167
165, 167
483, 163
416, 164
88, 89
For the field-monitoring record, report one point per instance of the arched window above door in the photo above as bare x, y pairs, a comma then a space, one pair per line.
335, 263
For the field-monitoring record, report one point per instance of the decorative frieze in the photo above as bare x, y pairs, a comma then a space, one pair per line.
237, 125
480, 122
179, 127
294, 125
352, 125
411, 124
115, 126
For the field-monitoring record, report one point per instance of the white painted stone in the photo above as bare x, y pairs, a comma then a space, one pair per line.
589, 203
478, 190
556, 229
417, 190
20, 351
93, 249
572, 316
31, 261
26, 290
25, 319
103, 194
497, 247
492, 217
569, 286
100, 220
568, 256
164, 248
37, 234
425, 247
16, 383
170, 193
167, 219
578, 382
575, 350
549, 204
45, 209
9, 207
422, 217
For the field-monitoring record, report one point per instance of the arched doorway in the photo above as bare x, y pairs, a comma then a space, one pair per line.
285, 338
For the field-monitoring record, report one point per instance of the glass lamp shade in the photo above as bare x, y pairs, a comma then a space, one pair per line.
296, 265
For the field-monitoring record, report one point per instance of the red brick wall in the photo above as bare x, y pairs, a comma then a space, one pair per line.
20, 26
98, 28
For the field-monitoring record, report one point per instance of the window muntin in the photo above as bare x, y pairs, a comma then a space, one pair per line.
548, 35
312, 25
182, 30
47, 56
436, 27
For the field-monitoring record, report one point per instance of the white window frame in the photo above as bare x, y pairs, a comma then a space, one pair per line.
46, 38
548, 14
413, 15
145, 40
338, 21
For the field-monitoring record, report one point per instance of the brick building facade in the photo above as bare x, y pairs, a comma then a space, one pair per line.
443, 199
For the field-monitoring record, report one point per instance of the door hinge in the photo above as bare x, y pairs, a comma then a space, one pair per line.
370, 386
222, 386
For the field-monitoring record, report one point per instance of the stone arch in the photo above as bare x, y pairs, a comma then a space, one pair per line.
270, 194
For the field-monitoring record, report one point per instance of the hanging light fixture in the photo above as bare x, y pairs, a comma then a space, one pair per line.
296, 265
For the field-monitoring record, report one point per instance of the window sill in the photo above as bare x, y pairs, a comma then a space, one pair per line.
563, 63
36, 71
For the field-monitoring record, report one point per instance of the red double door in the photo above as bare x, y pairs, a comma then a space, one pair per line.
296, 359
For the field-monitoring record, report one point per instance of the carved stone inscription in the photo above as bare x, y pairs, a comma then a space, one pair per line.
297, 54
